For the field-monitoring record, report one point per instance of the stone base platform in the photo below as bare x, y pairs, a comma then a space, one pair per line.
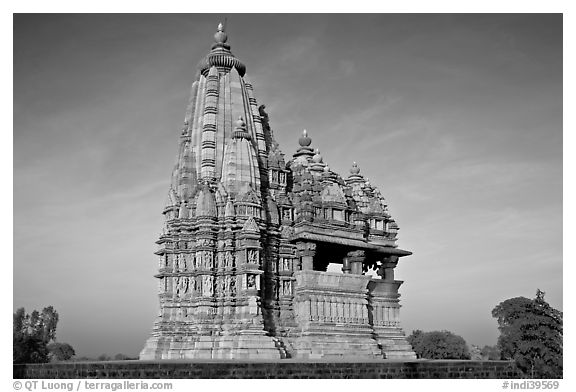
282, 369
333, 346
238, 347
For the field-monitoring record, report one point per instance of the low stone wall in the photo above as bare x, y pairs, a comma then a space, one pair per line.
280, 369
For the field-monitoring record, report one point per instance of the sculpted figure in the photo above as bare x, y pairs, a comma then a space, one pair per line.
177, 286
251, 281
221, 285
232, 286
186, 285
207, 289
227, 285
253, 256
228, 261
195, 285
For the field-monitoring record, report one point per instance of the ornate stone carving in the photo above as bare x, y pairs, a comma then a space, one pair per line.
251, 281
207, 286
253, 256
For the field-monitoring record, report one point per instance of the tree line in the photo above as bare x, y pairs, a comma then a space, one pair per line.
34, 339
531, 335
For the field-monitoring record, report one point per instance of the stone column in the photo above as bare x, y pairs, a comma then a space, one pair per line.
356, 259
346, 266
387, 268
307, 251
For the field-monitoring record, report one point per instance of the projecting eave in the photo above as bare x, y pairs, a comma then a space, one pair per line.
354, 243
386, 250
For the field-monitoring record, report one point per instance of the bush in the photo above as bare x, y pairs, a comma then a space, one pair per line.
438, 345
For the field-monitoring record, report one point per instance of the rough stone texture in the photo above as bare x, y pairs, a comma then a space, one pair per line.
279, 369
248, 236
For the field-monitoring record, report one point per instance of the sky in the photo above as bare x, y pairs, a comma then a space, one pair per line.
456, 118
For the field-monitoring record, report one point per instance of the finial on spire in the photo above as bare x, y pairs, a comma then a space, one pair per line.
355, 169
317, 157
220, 35
304, 140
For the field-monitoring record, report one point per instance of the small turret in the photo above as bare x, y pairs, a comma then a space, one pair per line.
240, 169
317, 164
206, 204
355, 176
304, 150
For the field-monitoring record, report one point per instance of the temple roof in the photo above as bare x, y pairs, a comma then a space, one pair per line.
230, 166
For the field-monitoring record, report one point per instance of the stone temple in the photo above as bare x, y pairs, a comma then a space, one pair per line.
249, 234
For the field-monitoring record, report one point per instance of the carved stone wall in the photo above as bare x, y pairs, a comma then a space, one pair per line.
332, 315
384, 313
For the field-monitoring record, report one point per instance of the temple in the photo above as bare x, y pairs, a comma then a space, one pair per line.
249, 235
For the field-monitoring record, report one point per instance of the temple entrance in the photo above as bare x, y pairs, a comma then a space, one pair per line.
328, 253
317, 256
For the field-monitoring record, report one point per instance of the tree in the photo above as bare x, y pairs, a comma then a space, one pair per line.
121, 357
103, 357
28, 349
60, 351
438, 345
491, 353
31, 334
531, 334
475, 352
49, 319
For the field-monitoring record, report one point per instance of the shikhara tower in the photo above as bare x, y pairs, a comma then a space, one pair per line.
249, 235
